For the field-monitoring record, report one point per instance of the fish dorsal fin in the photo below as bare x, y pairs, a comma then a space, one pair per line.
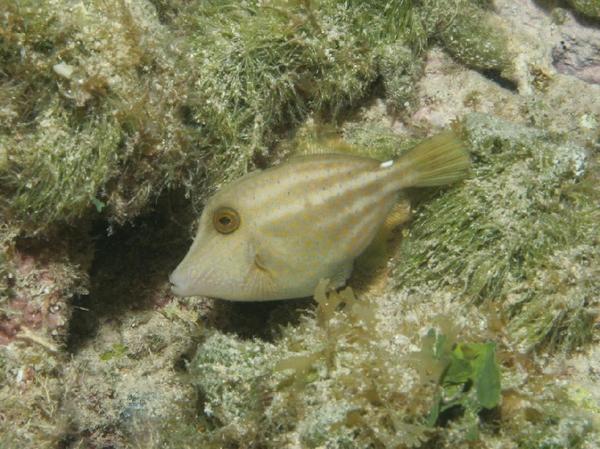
331, 156
327, 146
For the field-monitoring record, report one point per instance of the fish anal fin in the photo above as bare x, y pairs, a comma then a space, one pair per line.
339, 278
400, 214
373, 260
338, 145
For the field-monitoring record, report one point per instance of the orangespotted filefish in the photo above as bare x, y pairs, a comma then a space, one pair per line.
275, 233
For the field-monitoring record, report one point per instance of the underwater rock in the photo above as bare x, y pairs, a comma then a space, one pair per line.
578, 55
491, 239
590, 8
131, 377
343, 376
111, 110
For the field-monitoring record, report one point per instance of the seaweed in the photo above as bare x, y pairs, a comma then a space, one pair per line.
117, 119
513, 235
590, 8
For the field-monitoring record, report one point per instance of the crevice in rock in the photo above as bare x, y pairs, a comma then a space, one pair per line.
500, 80
131, 267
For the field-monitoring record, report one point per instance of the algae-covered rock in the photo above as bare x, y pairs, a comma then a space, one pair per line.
229, 375
492, 263
31, 397
368, 374
119, 119
589, 8
131, 377
339, 379
475, 37
521, 233
259, 68
144, 96
400, 70
90, 112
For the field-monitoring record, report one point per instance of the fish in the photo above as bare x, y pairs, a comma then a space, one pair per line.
276, 233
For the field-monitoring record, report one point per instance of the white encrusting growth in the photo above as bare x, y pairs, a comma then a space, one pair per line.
387, 164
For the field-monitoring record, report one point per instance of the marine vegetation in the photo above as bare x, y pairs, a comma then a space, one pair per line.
190, 101
473, 322
535, 211
441, 359
589, 8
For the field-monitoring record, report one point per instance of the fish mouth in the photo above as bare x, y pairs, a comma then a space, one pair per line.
177, 291
177, 287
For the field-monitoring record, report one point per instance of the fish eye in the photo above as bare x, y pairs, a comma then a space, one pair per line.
226, 220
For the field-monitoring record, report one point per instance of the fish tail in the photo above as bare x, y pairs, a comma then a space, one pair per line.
439, 160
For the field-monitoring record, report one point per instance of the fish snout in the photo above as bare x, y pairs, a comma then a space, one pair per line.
179, 286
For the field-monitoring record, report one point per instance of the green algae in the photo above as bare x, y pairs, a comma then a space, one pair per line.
471, 378
589, 8
500, 238
139, 112
118, 350
87, 123
267, 67
332, 381
263, 68
104, 107
76, 180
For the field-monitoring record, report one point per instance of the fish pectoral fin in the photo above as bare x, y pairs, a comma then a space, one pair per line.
260, 279
260, 265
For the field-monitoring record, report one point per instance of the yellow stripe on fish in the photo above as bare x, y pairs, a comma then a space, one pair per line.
274, 234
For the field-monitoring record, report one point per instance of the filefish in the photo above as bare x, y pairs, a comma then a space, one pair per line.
274, 234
